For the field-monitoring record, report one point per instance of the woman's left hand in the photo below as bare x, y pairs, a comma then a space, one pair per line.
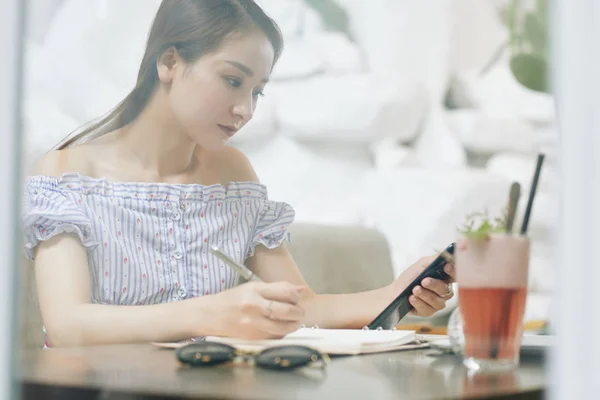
431, 295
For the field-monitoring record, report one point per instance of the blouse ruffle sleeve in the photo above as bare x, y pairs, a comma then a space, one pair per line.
49, 210
271, 229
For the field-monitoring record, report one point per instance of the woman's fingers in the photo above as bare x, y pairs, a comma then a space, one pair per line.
284, 292
282, 311
450, 270
275, 328
436, 286
422, 307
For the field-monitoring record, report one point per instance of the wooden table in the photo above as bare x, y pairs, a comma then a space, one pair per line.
143, 371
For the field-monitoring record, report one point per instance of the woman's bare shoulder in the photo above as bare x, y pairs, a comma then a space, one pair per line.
58, 162
234, 165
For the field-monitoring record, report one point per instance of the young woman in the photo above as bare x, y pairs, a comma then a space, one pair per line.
119, 218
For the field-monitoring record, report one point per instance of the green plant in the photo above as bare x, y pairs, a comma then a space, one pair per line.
528, 44
335, 17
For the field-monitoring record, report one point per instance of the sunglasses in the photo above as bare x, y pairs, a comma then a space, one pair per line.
287, 357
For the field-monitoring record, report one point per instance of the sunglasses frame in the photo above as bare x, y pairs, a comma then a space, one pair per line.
207, 354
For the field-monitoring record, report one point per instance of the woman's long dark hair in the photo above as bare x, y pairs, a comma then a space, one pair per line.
192, 27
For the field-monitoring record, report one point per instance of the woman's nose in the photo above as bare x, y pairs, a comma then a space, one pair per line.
244, 108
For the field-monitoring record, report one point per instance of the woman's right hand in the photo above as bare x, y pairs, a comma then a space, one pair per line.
258, 310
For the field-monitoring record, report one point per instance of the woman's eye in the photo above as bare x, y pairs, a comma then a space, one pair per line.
234, 82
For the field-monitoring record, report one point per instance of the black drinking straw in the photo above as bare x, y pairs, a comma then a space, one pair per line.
536, 176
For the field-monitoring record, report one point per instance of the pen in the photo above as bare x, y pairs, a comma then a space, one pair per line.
237, 267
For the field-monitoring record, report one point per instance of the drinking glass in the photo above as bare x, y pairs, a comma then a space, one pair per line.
492, 277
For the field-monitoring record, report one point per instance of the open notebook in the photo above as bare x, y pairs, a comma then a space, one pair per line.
330, 341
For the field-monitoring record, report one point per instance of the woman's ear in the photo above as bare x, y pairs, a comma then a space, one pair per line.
167, 64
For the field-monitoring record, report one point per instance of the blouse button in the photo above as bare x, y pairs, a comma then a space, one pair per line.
176, 215
182, 292
178, 255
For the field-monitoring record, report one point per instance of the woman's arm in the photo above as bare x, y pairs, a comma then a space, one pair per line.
252, 310
63, 286
347, 310
326, 310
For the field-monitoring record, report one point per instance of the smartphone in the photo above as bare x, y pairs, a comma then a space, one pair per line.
398, 308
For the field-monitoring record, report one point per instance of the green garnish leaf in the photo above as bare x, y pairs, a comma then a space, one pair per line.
479, 225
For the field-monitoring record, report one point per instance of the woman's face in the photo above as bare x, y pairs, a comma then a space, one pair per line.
217, 94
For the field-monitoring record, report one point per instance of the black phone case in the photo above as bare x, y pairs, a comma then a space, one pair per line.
398, 308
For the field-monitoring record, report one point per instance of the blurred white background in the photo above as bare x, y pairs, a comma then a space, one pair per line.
382, 113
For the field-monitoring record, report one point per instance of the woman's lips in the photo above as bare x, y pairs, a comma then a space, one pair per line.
229, 131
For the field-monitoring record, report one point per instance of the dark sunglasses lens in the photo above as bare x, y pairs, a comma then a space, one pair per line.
286, 357
205, 354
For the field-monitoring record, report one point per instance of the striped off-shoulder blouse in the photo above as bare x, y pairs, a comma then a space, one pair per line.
148, 243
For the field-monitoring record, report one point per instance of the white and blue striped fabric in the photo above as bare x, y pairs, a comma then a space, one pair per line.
148, 243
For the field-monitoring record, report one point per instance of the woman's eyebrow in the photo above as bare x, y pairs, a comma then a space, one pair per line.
245, 69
